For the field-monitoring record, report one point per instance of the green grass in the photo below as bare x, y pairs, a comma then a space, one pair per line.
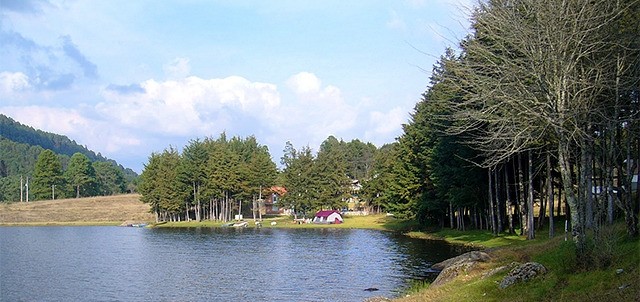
477, 238
564, 281
376, 222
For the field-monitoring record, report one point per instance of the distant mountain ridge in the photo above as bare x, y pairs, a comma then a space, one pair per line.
60, 144
23, 134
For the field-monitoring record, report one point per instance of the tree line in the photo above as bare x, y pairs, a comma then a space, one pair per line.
81, 178
213, 178
540, 106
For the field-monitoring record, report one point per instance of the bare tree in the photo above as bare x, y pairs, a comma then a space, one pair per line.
534, 74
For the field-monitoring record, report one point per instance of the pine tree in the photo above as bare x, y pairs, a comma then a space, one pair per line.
47, 176
80, 175
109, 179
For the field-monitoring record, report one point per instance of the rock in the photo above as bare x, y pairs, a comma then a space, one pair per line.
451, 268
466, 257
523, 273
500, 269
619, 271
453, 271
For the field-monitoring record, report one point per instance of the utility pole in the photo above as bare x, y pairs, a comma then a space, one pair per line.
27, 186
21, 188
53, 192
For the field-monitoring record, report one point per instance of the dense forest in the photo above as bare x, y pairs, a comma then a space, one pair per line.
538, 110
52, 166
215, 177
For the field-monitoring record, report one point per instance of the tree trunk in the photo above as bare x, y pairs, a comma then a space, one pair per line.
507, 204
451, 216
494, 229
587, 185
550, 195
542, 214
530, 226
474, 219
497, 203
560, 198
521, 199
199, 204
570, 196
630, 215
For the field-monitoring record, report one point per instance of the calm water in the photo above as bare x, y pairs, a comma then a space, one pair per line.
204, 264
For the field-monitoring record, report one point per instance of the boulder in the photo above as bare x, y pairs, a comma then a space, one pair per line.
451, 268
466, 257
452, 271
523, 273
500, 269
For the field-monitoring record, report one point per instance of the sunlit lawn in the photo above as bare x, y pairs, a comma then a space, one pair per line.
376, 222
102, 210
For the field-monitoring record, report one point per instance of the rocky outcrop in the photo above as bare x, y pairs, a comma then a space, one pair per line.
500, 269
523, 273
473, 256
451, 268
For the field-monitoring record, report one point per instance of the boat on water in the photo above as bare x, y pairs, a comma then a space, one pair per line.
240, 224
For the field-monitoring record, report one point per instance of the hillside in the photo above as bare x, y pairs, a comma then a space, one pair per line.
60, 144
25, 135
89, 211
20, 146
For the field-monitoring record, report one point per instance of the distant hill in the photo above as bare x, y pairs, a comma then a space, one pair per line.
20, 146
60, 144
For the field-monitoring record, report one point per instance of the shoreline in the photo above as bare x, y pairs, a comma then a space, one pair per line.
619, 279
60, 223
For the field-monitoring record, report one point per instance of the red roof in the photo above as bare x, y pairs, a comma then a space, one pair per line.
326, 213
279, 190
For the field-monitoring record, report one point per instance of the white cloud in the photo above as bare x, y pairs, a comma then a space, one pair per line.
384, 124
13, 82
314, 113
191, 106
304, 82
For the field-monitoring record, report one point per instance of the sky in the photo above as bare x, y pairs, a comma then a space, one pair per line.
130, 77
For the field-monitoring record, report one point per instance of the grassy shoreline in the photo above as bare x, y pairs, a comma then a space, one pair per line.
374, 222
612, 278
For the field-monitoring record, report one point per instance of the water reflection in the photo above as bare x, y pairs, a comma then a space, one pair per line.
209, 264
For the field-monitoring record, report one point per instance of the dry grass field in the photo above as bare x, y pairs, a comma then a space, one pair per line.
103, 210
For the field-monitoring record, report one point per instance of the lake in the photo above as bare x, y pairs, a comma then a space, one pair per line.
210, 264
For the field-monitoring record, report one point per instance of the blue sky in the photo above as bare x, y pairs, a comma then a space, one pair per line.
127, 78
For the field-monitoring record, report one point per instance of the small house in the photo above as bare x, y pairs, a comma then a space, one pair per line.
270, 203
330, 216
